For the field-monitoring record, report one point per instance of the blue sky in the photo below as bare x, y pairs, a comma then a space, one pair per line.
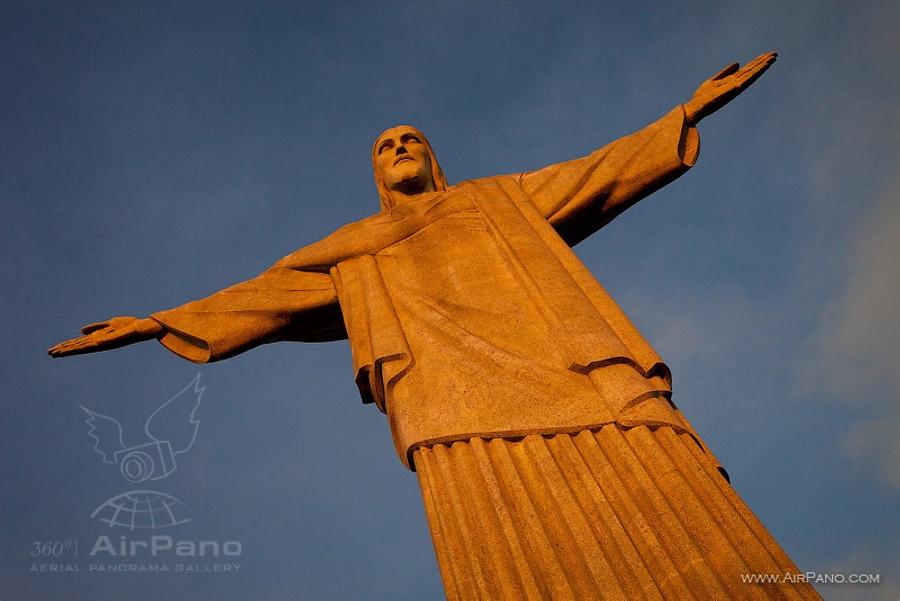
156, 152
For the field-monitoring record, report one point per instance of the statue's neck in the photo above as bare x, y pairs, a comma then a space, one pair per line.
409, 189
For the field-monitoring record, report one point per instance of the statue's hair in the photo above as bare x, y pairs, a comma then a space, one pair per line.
384, 193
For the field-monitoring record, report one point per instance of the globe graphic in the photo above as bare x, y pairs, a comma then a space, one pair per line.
142, 509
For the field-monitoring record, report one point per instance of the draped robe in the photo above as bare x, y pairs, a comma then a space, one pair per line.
466, 310
473, 325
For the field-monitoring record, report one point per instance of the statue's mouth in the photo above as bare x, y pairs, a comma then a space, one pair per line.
403, 158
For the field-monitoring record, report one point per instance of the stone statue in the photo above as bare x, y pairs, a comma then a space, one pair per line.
551, 459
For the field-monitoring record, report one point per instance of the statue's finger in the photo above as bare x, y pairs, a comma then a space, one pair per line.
748, 77
761, 58
762, 61
64, 352
72, 347
726, 71
58, 346
93, 327
74, 343
62, 345
60, 349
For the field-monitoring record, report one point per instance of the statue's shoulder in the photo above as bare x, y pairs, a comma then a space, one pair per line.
486, 183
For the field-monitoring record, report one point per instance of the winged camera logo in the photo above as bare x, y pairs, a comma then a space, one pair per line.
169, 432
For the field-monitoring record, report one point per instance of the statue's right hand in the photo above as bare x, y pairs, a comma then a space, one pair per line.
724, 86
104, 335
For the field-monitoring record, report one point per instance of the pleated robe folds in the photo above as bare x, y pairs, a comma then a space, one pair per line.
552, 461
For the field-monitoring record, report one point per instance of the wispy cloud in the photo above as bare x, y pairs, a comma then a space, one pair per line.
864, 560
854, 350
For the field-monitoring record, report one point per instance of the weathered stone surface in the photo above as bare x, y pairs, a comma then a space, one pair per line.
552, 461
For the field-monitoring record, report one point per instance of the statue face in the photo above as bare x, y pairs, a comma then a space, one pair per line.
403, 161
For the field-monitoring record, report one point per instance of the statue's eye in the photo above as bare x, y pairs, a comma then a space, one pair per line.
408, 139
384, 146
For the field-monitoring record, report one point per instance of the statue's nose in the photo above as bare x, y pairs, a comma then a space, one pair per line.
401, 149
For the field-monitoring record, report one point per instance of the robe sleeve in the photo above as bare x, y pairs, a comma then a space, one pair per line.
279, 304
580, 196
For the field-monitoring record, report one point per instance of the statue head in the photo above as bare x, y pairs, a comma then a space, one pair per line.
404, 165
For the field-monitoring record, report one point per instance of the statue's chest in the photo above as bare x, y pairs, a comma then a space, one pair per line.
453, 254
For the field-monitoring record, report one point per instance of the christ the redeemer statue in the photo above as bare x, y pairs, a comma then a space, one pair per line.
552, 461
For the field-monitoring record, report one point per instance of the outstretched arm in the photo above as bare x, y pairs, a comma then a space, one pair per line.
279, 304
579, 197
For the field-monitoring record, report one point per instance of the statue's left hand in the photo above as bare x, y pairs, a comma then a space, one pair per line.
104, 335
724, 86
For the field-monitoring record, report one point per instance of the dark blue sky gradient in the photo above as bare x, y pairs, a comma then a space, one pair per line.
156, 152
